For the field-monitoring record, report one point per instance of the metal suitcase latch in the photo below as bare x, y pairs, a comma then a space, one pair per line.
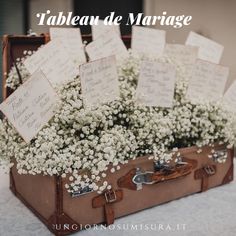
220, 156
141, 178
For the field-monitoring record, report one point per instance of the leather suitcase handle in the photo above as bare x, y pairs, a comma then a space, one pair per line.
134, 179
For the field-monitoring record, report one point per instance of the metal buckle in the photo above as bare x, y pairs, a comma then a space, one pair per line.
209, 170
110, 196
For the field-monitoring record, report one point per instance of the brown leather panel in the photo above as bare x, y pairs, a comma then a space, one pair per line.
191, 161
37, 190
62, 224
229, 175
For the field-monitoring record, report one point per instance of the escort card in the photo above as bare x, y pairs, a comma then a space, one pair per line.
107, 44
54, 62
100, 29
156, 84
99, 81
72, 41
31, 106
185, 55
207, 82
229, 98
208, 49
147, 41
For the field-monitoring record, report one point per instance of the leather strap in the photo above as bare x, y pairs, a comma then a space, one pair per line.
109, 214
106, 200
175, 172
126, 180
204, 173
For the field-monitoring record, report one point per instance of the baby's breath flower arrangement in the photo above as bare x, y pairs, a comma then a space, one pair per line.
85, 144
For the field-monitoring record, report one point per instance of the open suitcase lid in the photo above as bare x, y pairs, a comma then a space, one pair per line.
15, 45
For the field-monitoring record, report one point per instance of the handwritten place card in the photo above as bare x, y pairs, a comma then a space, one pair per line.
100, 29
147, 41
229, 98
208, 49
53, 60
107, 44
207, 82
99, 81
184, 55
72, 41
31, 106
156, 84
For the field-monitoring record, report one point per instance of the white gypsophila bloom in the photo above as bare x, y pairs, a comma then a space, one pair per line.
90, 144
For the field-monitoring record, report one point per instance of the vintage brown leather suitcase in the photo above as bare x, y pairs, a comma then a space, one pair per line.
140, 179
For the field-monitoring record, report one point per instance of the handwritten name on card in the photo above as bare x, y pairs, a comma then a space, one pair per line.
99, 81
183, 55
207, 82
101, 28
108, 44
147, 41
208, 49
31, 106
72, 42
229, 98
156, 84
53, 60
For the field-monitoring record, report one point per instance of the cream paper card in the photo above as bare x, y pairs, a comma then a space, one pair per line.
108, 44
229, 98
99, 82
156, 84
54, 62
72, 41
31, 106
207, 82
209, 50
184, 55
100, 29
148, 41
